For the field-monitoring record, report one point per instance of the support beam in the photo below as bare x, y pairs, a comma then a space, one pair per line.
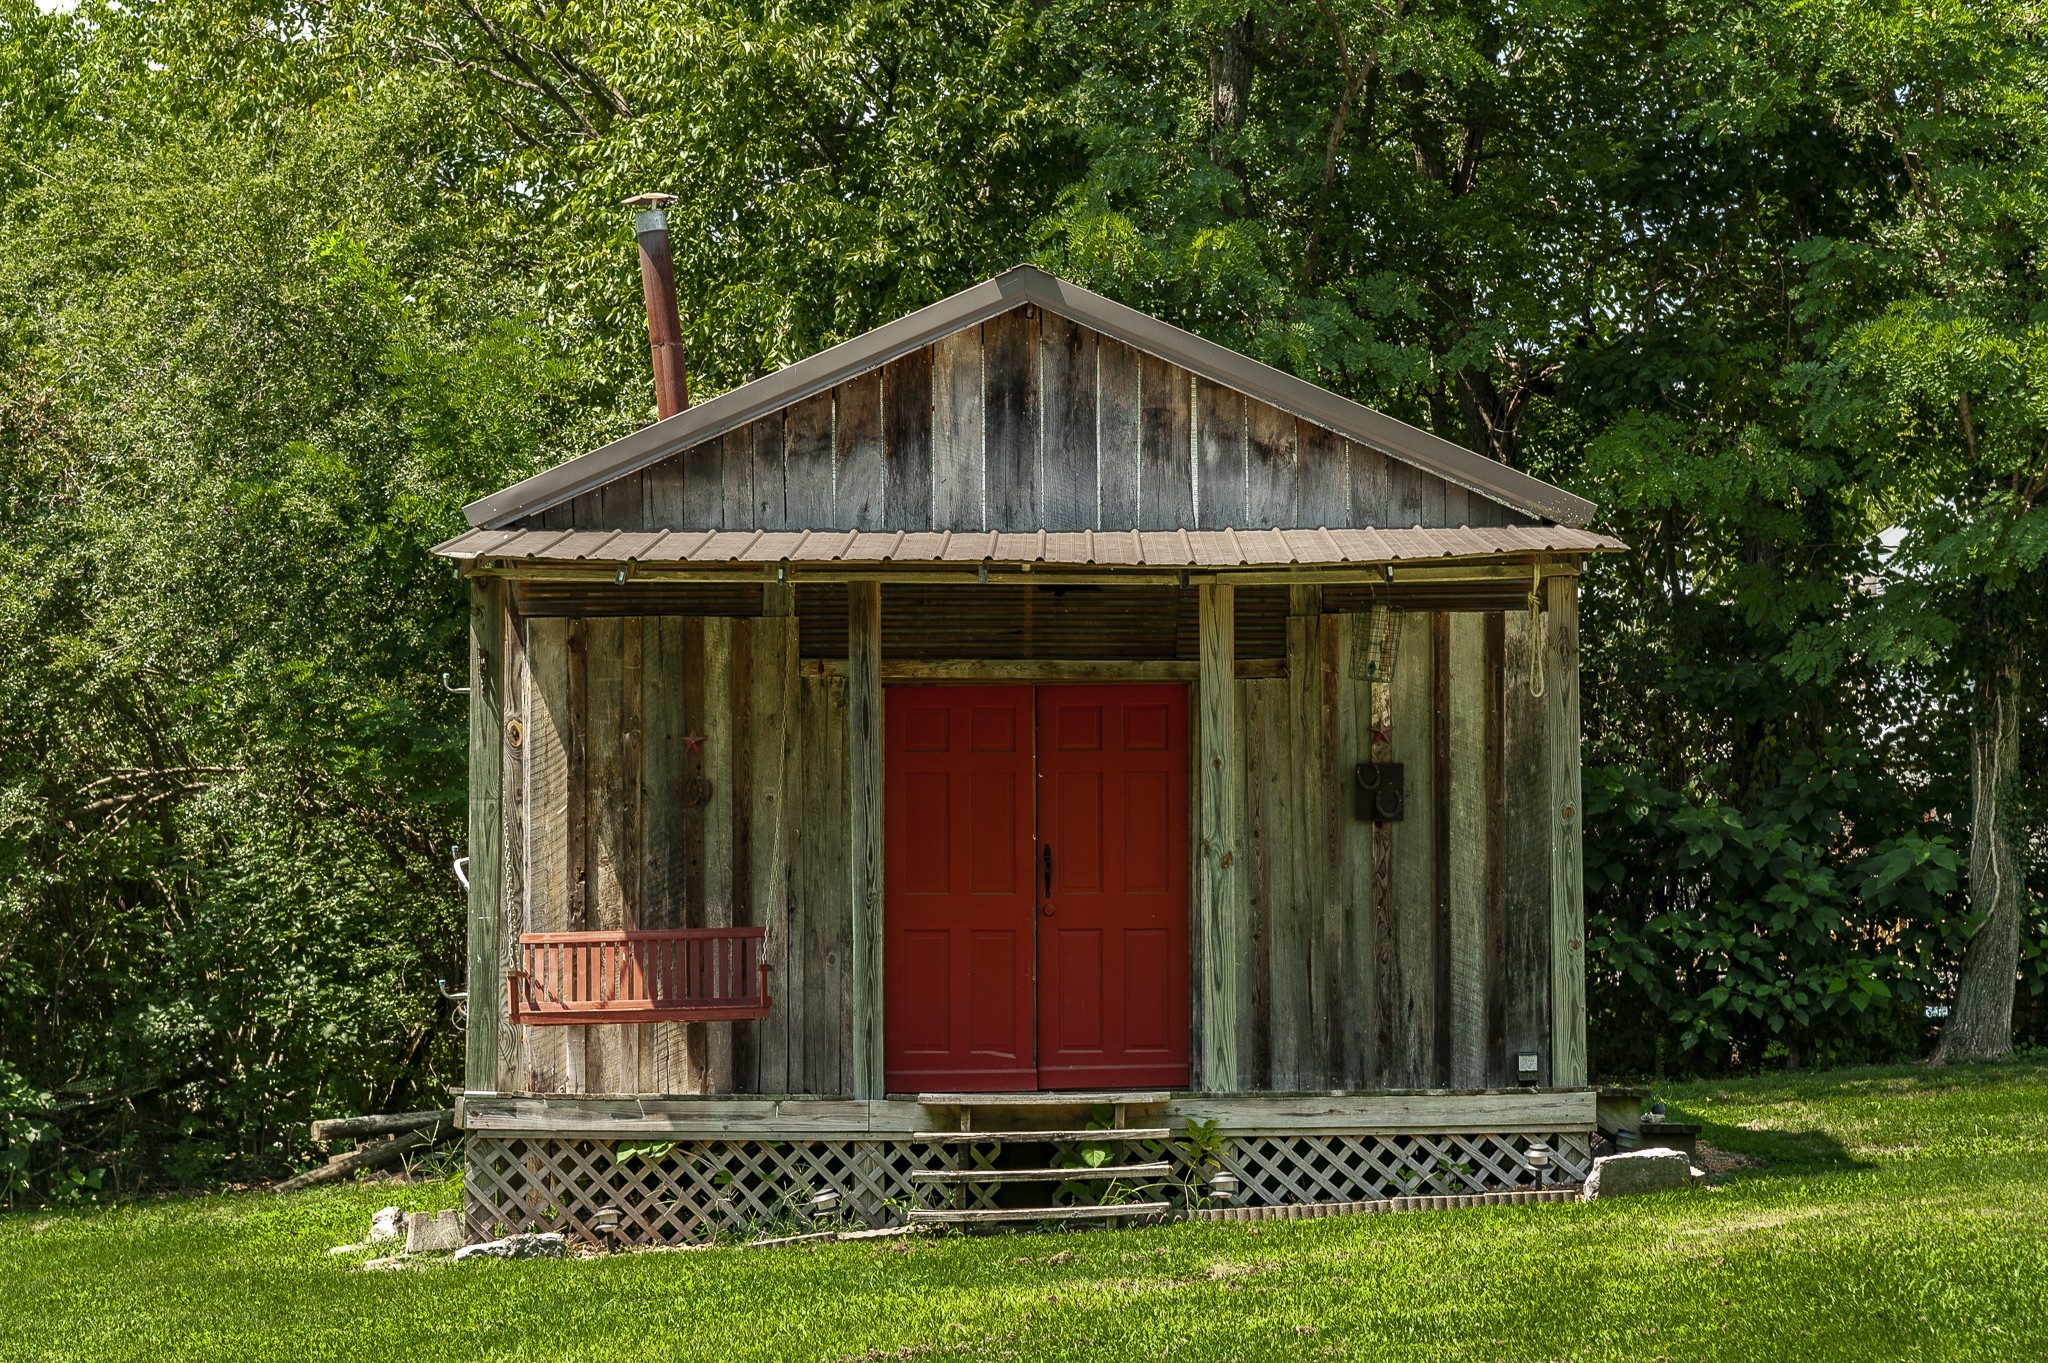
1217, 874
1567, 874
486, 766
864, 778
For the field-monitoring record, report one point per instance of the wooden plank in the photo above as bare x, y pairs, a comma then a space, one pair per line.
1404, 494
1011, 473
576, 738
1357, 871
1219, 456
745, 1066
1567, 874
772, 732
1493, 790
907, 442
1457, 505
1118, 413
1099, 1173
1525, 767
664, 835
511, 1046
1305, 833
1323, 477
1036, 1136
806, 464
1218, 877
1042, 669
704, 486
1166, 490
957, 460
1412, 872
989, 1215
1435, 492
770, 476
858, 492
1468, 849
1068, 471
714, 722
693, 1075
623, 502
737, 510
1272, 475
486, 815
828, 1019
1370, 493
1440, 845
1393, 1113
864, 843
604, 824
668, 492
1330, 816
629, 820
1265, 865
548, 890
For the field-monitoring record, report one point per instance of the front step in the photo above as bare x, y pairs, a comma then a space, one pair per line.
1043, 1098
1138, 1133
923, 1216
1036, 1175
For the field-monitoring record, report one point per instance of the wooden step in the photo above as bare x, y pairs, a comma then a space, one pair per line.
988, 1214
1036, 1175
1049, 1098
1135, 1133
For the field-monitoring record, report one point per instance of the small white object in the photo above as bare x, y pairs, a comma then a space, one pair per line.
387, 1223
550, 1245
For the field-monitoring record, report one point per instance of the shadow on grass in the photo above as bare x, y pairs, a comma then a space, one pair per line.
1780, 1153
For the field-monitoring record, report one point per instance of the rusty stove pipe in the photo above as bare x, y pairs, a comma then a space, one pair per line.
658, 286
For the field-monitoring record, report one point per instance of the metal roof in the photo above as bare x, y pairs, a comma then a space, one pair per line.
1097, 548
1012, 288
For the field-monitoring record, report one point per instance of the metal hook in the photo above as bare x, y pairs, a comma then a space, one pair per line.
448, 993
451, 688
461, 865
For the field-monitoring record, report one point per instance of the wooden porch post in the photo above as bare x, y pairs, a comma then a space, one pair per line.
1216, 906
864, 778
1567, 870
486, 765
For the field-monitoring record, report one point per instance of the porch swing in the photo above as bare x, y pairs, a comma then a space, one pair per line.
654, 975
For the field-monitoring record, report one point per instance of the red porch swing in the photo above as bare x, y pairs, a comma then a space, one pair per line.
659, 975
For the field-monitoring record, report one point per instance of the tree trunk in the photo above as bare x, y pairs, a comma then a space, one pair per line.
1980, 1021
1230, 88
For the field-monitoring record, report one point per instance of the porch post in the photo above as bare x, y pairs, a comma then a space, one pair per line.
864, 779
486, 764
1567, 869
1216, 907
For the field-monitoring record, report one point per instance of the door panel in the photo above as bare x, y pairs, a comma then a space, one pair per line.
957, 889
1113, 920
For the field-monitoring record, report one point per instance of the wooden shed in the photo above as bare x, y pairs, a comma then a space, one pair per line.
1022, 738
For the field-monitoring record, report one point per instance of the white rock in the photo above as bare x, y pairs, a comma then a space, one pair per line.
426, 1232
391, 1261
1638, 1171
548, 1245
346, 1249
387, 1224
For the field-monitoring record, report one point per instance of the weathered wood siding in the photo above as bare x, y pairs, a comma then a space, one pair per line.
1027, 423
1329, 953
604, 829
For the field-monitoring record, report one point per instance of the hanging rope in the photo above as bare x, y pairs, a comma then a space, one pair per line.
1538, 644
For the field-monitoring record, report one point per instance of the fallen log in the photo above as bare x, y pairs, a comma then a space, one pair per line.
375, 1155
344, 1128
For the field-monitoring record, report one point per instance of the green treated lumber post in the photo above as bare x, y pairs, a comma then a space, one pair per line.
864, 778
1567, 867
1216, 912
486, 765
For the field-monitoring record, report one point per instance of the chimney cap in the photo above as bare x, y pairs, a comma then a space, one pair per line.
650, 200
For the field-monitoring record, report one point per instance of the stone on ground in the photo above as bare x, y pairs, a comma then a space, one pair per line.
388, 1223
1638, 1171
548, 1245
428, 1231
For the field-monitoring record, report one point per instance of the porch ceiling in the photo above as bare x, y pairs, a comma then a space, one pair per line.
1079, 548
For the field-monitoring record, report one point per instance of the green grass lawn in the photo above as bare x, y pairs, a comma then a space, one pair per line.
1902, 1214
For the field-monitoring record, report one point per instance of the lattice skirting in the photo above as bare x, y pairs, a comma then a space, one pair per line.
693, 1190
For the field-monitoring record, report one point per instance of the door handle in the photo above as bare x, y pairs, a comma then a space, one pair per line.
1045, 871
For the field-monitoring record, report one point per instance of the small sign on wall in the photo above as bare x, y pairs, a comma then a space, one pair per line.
1380, 792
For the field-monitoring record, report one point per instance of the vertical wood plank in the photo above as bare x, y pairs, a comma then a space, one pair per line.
1358, 895
745, 1058
714, 720
1166, 490
1218, 880
864, 845
693, 1075
806, 464
1304, 746
1404, 494
1412, 902
548, 889
1219, 456
770, 475
604, 837
1457, 505
772, 733
1440, 844
511, 1068
1369, 487
1567, 873
1272, 476
1009, 349
1068, 456
1118, 410
1525, 766
1323, 477
1265, 862
957, 464
486, 815
1329, 815
858, 492
737, 509
623, 501
576, 1048
907, 442
629, 822
668, 492
704, 487
1468, 849
664, 847
1493, 790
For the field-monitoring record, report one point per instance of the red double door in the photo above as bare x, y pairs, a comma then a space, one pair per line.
1035, 892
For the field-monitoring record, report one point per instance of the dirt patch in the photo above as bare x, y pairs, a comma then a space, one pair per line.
1718, 1163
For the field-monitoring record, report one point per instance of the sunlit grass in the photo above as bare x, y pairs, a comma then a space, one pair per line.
1902, 1216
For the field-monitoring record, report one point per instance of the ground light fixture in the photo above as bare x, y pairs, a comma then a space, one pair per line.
1537, 1157
1223, 1187
606, 1223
